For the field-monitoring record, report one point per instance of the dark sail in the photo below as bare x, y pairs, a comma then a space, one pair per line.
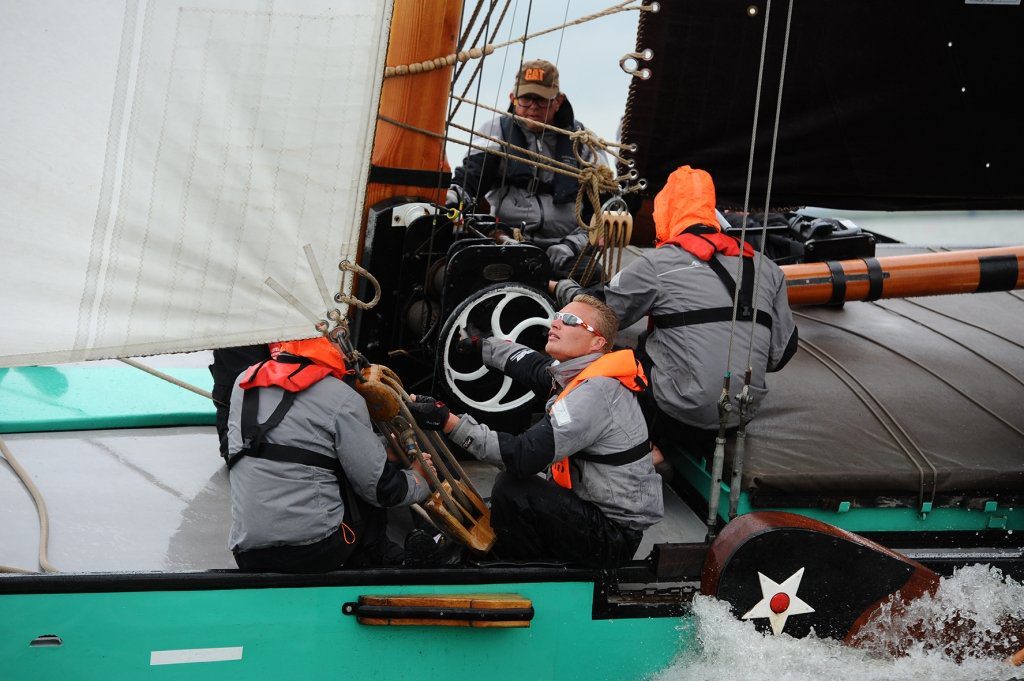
891, 105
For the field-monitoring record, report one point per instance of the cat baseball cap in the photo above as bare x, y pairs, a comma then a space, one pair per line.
537, 77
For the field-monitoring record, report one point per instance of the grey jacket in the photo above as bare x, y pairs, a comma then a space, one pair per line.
275, 503
545, 222
689, 362
599, 417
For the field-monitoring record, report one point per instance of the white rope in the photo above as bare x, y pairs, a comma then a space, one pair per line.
44, 516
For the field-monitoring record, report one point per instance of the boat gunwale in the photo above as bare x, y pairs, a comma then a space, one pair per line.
112, 582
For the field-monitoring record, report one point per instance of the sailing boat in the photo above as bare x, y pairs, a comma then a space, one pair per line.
229, 145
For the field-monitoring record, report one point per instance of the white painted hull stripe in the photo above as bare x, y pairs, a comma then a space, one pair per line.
157, 657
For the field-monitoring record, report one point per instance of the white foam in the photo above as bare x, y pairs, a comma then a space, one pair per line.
729, 649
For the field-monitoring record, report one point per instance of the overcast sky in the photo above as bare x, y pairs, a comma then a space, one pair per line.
587, 57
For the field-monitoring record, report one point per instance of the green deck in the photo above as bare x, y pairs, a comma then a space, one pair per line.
38, 399
301, 633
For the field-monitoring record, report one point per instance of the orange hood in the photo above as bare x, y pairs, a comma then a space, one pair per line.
687, 199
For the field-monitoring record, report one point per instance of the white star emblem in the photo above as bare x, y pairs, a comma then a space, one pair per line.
779, 601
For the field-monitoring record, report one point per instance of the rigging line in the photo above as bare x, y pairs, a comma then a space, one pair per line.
476, 39
597, 139
951, 339
44, 516
746, 192
441, 151
967, 323
1016, 295
170, 379
820, 354
477, 53
771, 172
515, 93
480, 64
540, 159
558, 54
479, 85
963, 394
464, 33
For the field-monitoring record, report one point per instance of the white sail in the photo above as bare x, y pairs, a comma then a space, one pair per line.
159, 161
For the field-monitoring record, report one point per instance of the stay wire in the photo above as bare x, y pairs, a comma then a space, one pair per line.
758, 268
479, 65
479, 85
441, 152
515, 93
746, 193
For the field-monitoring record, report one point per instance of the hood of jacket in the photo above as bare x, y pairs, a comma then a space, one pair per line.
687, 199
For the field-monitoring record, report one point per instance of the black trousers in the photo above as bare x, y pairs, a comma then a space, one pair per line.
372, 549
535, 519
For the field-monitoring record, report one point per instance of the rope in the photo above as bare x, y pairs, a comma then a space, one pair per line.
469, 27
965, 322
463, 56
605, 181
819, 354
952, 340
170, 379
44, 516
899, 354
480, 64
580, 134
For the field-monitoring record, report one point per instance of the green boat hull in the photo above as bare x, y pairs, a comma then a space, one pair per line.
282, 632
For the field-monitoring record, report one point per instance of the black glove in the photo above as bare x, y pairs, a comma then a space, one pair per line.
430, 413
471, 343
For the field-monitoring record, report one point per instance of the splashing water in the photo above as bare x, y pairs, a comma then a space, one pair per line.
728, 649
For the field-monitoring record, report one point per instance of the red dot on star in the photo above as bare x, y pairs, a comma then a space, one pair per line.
779, 603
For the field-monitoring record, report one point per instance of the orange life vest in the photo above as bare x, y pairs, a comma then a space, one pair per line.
296, 365
621, 365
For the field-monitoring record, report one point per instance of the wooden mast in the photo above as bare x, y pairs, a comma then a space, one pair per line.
900, 276
420, 30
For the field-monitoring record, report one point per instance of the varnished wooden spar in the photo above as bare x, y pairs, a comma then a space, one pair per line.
406, 163
902, 276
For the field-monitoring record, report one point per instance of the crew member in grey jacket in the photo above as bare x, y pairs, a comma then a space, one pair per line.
520, 194
592, 435
309, 478
686, 285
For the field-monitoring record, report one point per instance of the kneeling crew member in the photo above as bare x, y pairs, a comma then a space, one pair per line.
602, 491
309, 478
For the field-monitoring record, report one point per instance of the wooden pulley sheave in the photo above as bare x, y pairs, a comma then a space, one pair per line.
608, 235
612, 234
454, 504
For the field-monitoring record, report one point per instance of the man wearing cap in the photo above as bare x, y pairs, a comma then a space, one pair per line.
687, 285
520, 194
601, 491
309, 478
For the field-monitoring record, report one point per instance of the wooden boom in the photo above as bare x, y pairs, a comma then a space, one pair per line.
903, 276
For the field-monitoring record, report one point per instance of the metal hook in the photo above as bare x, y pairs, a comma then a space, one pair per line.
344, 298
616, 201
634, 59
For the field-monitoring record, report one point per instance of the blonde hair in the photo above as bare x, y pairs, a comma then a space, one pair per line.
607, 322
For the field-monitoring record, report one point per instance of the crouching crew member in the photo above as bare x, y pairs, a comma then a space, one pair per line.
687, 286
309, 478
601, 491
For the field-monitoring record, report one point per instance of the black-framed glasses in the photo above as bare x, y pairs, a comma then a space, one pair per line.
526, 101
569, 319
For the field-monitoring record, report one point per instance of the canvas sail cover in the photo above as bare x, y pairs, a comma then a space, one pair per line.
159, 161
